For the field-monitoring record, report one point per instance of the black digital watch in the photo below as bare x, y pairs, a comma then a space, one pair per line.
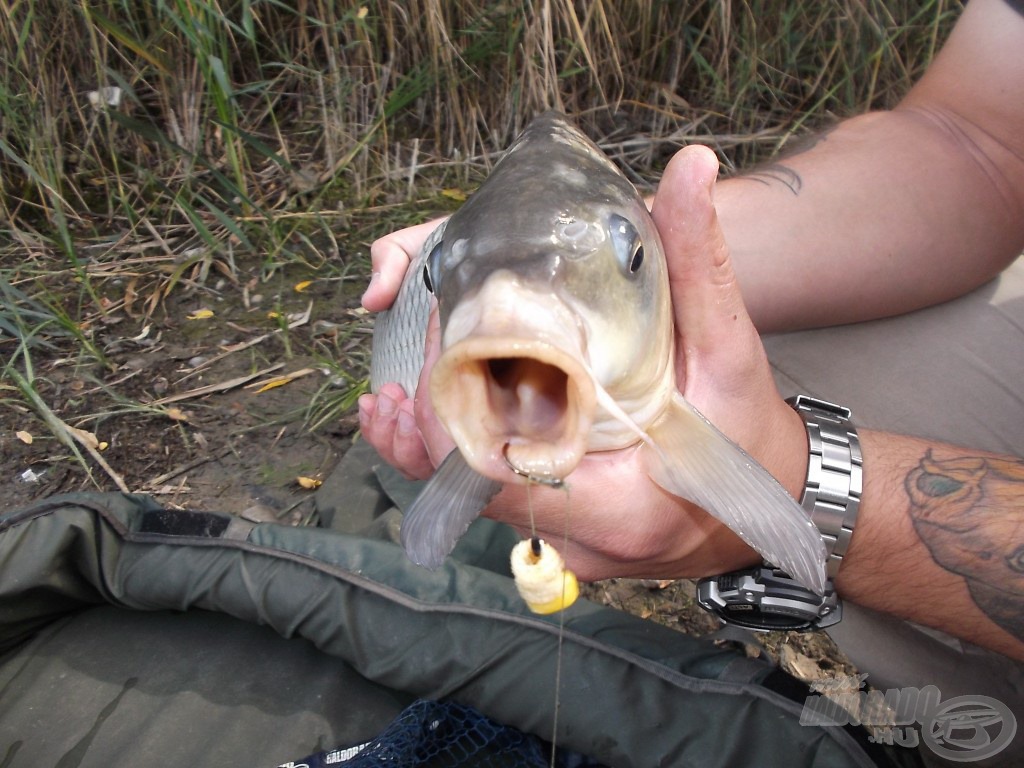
765, 599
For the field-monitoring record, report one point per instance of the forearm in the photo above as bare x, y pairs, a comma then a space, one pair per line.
940, 540
864, 224
892, 211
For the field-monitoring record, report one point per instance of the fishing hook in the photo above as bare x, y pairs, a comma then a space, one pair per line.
551, 482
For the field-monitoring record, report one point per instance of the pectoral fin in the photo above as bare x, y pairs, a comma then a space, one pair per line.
690, 458
451, 500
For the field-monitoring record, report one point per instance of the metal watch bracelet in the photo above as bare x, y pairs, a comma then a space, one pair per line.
835, 474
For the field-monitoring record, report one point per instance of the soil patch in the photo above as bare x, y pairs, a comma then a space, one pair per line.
184, 403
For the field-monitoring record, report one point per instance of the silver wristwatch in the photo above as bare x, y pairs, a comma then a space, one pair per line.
764, 598
835, 474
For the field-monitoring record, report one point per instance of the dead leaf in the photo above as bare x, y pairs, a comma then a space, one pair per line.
225, 270
657, 584
130, 294
176, 414
25, 437
280, 381
277, 381
800, 665
85, 437
259, 513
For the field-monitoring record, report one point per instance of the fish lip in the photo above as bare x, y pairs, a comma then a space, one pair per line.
487, 417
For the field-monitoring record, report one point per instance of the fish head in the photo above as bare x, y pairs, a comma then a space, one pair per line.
551, 286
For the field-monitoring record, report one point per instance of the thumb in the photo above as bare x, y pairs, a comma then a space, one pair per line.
721, 364
705, 296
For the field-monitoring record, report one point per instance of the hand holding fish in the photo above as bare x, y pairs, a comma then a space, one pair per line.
388, 419
904, 182
622, 521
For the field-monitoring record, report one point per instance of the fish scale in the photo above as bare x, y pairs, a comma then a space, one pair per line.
399, 333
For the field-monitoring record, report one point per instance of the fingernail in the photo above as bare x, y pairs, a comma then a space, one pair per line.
364, 408
374, 279
406, 423
385, 405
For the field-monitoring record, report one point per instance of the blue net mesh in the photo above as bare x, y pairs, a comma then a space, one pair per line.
447, 735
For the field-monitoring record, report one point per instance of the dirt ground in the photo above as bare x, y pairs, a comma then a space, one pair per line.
183, 408
810, 656
179, 404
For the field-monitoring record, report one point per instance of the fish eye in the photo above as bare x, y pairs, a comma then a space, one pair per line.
629, 247
430, 268
638, 257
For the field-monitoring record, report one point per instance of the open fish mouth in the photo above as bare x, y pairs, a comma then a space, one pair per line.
515, 405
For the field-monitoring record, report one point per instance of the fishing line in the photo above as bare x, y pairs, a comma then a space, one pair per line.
561, 629
536, 549
535, 544
550, 482
533, 522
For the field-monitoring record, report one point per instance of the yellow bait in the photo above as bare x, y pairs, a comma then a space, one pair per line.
541, 577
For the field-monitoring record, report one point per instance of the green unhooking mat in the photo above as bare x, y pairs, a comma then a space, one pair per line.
136, 635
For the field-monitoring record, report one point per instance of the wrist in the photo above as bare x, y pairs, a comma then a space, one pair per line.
764, 597
785, 453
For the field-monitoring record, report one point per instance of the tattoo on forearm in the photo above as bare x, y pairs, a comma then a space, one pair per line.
780, 173
969, 511
776, 172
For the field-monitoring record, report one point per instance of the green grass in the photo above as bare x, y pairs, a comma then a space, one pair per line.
156, 149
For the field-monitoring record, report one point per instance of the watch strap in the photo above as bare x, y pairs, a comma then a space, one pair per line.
835, 474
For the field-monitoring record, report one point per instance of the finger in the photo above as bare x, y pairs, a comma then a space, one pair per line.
705, 296
390, 256
410, 451
439, 443
722, 366
378, 416
718, 348
387, 423
390, 262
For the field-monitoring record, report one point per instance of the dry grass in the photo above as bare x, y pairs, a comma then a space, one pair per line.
148, 148
230, 108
